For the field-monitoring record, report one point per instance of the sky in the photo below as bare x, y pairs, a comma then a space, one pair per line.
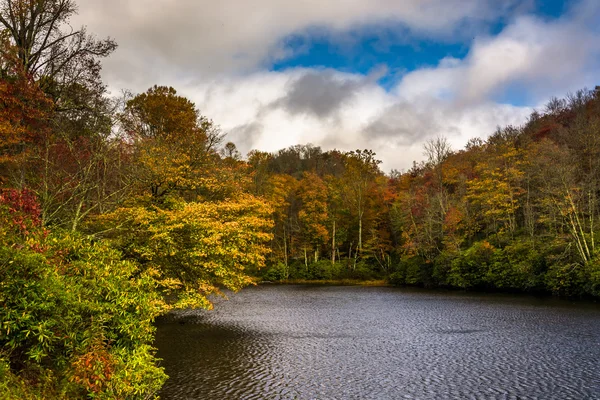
386, 75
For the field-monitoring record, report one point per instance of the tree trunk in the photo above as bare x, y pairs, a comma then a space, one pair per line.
350, 252
285, 255
76, 216
333, 245
359, 247
305, 259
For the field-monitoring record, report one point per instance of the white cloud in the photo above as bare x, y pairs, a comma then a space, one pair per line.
170, 39
543, 58
532, 51
441, 82
215, 53
373, 118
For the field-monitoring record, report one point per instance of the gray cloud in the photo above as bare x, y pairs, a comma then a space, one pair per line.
406, 123
175, 40
245, 135
403, 123
320, 93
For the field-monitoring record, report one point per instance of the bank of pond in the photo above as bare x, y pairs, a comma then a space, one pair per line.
516, 268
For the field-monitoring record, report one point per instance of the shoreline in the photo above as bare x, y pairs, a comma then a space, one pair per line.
329, 282
384, 283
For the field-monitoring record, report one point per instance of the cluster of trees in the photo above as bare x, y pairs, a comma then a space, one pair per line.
331, 213
517, 211
112, 212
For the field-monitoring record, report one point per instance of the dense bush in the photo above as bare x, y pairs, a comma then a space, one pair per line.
517, 266
520, 265
470, 269
412, 271
275, 273
323, 270
593, 282
76, 320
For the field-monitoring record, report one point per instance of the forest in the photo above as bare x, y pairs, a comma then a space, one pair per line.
116, 210
514, 212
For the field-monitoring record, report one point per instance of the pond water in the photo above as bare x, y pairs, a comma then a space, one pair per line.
324, 342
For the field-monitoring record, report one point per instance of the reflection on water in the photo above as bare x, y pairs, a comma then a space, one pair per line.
303, 342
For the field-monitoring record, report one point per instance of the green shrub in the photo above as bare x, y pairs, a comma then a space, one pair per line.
471, 267
396, 278
442, 266
324, 270
515, 267
362, 271
565, 279
76, 321
275, 273
409, 271
298, 270
592, 285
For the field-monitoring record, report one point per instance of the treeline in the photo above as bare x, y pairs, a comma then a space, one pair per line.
517, 211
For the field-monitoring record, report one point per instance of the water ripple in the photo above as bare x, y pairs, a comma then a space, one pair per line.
297, 342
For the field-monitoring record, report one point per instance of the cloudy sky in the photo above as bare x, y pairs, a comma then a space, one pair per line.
380, 74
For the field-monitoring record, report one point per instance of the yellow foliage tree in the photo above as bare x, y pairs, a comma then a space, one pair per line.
497, 188
313, 215
194, 249
280, 189
192, 224
174, 146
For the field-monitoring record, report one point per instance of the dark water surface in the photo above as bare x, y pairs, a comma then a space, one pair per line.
306, 342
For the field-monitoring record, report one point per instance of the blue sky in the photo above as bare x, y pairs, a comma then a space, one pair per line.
369, 51
368, 48
373, 46
380, 74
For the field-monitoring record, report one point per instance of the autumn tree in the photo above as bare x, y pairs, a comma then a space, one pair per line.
564, 201
378, 245
360, 169
498, 187
281, 196
190, 219
25, 114
437, 151
259, 162
175, 147
313, 216
339, 215
66, 163
50, 50
194, 249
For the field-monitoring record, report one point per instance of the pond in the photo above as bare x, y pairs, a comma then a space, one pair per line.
327, 342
